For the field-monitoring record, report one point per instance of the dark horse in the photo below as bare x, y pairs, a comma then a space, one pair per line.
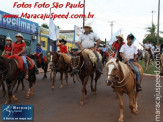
10, 73
81, 65
59, 65
44, 65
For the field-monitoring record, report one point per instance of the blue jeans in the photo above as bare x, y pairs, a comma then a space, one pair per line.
42, 59
25, 62
136, 69
98, 61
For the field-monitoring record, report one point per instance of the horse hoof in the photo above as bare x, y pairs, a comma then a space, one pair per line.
61, 86
52, 88
31, 94
94, 93
135, 111
7, 102
27, 96
81, 103
120, 120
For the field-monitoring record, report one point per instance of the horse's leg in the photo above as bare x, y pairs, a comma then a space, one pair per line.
66, 78
45, 70
84, 82
121, 106
17, 86
54, 79
135, 102
73, 78
91, 85
3, 89
61, 79
132, 101
96, 79
23, 86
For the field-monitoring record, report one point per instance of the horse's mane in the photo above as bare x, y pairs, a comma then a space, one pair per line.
124, 68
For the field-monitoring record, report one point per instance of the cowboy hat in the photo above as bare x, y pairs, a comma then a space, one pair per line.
120, 35
19, 35
88, 25
8, 38
62, 40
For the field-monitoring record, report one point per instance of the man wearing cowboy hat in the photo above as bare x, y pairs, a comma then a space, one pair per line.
39, 51
86, 41
117, 45
19, 49
8, 47
62, 46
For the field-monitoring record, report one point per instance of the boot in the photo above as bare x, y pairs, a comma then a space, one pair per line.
138, 87
26, 75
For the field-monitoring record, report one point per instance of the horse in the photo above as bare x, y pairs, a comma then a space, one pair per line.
61, 64
146, 59
123, 80
83, 67
44, 65
10, 73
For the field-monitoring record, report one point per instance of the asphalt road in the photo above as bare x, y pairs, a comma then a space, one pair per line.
62, 105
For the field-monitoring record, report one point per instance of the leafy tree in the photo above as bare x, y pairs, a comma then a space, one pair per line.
151, 36
45, 26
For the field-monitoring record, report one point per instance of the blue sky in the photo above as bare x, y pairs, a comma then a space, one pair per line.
129, 15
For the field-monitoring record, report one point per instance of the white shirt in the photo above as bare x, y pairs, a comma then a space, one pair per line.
128, 51
147, 46
87, 41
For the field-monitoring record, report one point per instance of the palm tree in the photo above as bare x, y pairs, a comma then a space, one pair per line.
45, 26
151, 30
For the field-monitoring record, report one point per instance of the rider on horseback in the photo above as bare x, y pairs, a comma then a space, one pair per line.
129, 55
86, 41
62, 46
148, 47
19, 49
39, 52
117, 45
8, 47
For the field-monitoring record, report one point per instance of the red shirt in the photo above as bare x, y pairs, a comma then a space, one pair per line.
116, 45
63, 48
8, 48
19, 47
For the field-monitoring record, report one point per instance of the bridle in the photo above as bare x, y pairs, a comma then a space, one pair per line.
78, 63
117, 78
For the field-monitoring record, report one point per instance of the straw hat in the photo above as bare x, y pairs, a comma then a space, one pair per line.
8, 38
120, 35
88, 25
19, 35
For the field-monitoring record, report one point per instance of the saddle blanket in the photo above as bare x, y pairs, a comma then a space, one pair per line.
20, 63
39, 58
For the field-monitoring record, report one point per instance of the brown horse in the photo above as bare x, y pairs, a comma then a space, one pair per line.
44, 65
10, 73
61, 65
123, 80
82, 66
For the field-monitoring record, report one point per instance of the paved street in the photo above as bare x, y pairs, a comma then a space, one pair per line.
62, 105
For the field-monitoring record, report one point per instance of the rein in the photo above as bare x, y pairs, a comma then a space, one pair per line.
118, 81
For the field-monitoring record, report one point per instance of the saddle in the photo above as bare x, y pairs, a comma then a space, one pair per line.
92, 56
66, 57
39, 58
20, 63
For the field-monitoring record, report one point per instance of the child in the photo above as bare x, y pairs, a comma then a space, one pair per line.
62, 46
8, 47
39, 52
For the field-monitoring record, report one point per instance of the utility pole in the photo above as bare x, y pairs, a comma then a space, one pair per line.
152, 15
84, 14
158, 22
111, 24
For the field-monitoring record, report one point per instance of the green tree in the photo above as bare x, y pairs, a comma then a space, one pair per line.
45, 26
151, 35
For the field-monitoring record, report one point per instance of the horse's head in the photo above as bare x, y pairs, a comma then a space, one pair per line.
111, 70
55, 56
75, 61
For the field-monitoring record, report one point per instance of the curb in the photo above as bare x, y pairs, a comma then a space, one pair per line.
151, 75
